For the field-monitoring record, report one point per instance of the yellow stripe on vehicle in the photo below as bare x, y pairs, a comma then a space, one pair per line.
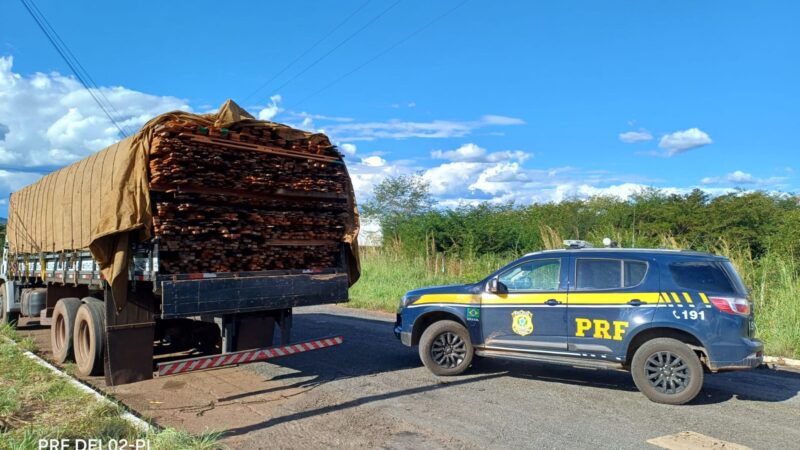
677, 299
666, 299
688, 299
705, 300
611, 298
446, 298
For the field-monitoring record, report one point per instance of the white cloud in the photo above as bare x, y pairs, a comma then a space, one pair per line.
13, 180
348, 149
366, 177
272, 109
467, 152
739, 178
499, 178
468, 177
631, 137
683, 141
508, 155
51, 120
373, 161
397, 129
452, 178
474, 153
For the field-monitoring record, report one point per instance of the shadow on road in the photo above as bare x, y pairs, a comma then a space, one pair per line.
370, 348
760, 385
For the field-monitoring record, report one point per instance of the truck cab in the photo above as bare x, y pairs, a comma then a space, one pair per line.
664, 315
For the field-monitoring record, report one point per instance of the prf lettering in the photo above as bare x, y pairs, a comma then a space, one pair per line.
602, 328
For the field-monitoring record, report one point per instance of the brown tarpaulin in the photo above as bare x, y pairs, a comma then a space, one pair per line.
97, 202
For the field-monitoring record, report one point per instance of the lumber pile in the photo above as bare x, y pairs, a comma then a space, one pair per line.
257, 198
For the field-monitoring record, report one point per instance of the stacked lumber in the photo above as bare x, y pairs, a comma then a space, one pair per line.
253, 199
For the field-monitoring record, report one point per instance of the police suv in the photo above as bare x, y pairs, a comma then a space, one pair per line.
665, 315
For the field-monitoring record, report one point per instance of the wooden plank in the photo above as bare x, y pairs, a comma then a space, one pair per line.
277, 194
259, 148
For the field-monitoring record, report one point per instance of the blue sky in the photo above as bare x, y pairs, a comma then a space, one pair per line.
524, 101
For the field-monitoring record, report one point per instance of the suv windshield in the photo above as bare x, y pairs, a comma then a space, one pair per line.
713, 276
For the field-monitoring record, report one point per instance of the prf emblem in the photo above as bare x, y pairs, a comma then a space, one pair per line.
522, 322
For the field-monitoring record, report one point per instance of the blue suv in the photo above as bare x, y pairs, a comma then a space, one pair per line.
666, 316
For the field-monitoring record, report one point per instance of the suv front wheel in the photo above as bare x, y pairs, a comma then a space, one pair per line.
667, 371
445, 348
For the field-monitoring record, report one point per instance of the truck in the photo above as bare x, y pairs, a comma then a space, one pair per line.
196, 236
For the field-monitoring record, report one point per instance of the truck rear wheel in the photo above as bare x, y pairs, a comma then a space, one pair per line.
667, 371
445, 348
63, 327
88, 338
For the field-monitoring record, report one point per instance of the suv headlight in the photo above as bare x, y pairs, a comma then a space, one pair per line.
408, 299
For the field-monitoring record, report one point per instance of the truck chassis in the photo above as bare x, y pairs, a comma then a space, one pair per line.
165, 313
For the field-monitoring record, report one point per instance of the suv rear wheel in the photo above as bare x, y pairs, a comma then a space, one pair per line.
667, 371
445, 348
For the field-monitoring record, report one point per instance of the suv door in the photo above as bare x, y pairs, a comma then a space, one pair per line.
532, 314
608, 298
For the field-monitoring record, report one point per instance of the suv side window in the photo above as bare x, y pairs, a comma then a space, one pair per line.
537, 275
601, 274
634, 272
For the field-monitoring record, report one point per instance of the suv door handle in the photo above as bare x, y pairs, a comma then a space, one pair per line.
552, 302
635, 302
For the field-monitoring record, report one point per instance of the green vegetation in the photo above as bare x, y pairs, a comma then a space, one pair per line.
36, 404
386, 275
756, 230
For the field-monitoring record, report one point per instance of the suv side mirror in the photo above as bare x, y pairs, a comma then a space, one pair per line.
496, 287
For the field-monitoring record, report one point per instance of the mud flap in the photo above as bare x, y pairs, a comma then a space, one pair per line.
129, 337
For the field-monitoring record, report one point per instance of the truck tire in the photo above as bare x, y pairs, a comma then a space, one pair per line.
667, 371
63, 327
7, 318
88, 338
445, 348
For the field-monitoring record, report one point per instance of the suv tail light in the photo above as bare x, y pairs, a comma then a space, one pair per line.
731, 305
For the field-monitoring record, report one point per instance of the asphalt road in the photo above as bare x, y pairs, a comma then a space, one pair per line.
372, 391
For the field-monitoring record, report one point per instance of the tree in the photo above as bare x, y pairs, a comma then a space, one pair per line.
396, 199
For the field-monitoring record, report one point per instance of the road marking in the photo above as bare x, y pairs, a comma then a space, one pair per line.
689, 440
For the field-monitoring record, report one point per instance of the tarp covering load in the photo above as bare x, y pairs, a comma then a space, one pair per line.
222, 192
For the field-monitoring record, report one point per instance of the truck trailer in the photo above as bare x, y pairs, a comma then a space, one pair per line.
197, 235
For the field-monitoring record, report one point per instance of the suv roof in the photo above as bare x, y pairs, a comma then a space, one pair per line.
629, 250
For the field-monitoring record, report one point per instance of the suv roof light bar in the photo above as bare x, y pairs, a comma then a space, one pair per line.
577, 243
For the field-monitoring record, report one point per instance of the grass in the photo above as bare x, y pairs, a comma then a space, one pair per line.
774, 281
387, 275
36, 404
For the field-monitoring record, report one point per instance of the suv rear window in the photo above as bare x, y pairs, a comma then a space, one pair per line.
609, 273
706, 276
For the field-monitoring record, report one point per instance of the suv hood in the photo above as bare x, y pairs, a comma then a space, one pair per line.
449, 289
